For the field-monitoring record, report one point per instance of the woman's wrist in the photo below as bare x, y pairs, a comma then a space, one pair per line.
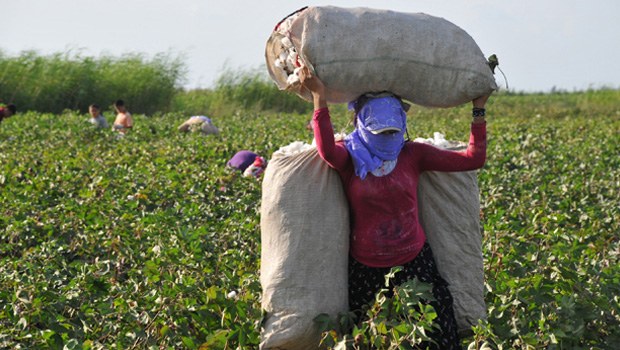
478, 115
478, 112
319, 100
478, 120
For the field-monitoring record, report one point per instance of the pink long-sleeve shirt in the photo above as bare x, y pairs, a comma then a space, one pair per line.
385, 229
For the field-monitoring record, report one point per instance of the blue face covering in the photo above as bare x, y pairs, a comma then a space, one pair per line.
367, 149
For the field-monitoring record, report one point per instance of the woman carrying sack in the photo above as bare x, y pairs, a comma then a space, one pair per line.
380, 173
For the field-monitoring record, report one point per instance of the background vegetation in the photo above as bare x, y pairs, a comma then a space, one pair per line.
139, 242
69, 81
60, 81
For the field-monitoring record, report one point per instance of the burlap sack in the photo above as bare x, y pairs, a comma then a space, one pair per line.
449, 211
304, 248
424, 59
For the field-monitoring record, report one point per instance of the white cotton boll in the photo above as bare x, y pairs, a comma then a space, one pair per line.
279, 64
439, 140
339, 136
232, 294
283, 55
290, 148
292, 79
292, 56
291, 60
422, 140
287, 42
290, 66
294, 148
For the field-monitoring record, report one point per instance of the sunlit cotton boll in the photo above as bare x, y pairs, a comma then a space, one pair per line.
291, 60
283, 55
279, 64
231, 295
293, 78
287, 42
156, 250
294, 148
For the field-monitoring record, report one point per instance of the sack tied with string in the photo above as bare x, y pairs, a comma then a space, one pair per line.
426, 60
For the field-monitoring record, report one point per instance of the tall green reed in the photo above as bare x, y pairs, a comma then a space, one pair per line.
239, 90
53, 83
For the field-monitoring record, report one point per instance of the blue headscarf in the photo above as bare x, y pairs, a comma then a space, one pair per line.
367, 147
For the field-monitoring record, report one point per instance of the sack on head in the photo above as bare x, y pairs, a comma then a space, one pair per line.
424, 59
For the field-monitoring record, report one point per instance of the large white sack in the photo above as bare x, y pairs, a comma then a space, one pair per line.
449, 211
304, 247
424, 59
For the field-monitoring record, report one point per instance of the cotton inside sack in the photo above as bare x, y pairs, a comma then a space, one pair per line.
424, 59
304, 247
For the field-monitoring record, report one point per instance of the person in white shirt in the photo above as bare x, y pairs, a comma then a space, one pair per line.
97, 119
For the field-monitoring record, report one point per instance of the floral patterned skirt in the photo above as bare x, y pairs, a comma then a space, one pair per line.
365, 282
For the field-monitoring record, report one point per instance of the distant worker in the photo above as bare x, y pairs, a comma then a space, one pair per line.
256, 169
7, 111
97, 119
199, 123
248, 163
123, 121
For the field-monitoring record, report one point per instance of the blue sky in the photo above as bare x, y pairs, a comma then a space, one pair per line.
541, 44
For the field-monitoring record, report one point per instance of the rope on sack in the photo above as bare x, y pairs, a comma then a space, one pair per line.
494, 63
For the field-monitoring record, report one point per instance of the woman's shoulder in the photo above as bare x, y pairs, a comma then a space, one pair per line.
415, 149
411, 146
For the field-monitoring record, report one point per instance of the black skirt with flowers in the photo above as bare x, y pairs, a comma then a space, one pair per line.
365, 282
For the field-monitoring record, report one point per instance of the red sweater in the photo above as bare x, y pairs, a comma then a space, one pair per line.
385, 230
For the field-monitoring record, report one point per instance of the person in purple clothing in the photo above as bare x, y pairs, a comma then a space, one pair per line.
248, 162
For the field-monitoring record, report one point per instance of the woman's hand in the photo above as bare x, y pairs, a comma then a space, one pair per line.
314, 85
310, 81
479, 102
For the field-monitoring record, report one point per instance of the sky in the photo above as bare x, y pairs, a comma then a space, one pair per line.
541, 45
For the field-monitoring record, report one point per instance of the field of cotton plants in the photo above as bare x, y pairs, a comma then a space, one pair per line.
149, 242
